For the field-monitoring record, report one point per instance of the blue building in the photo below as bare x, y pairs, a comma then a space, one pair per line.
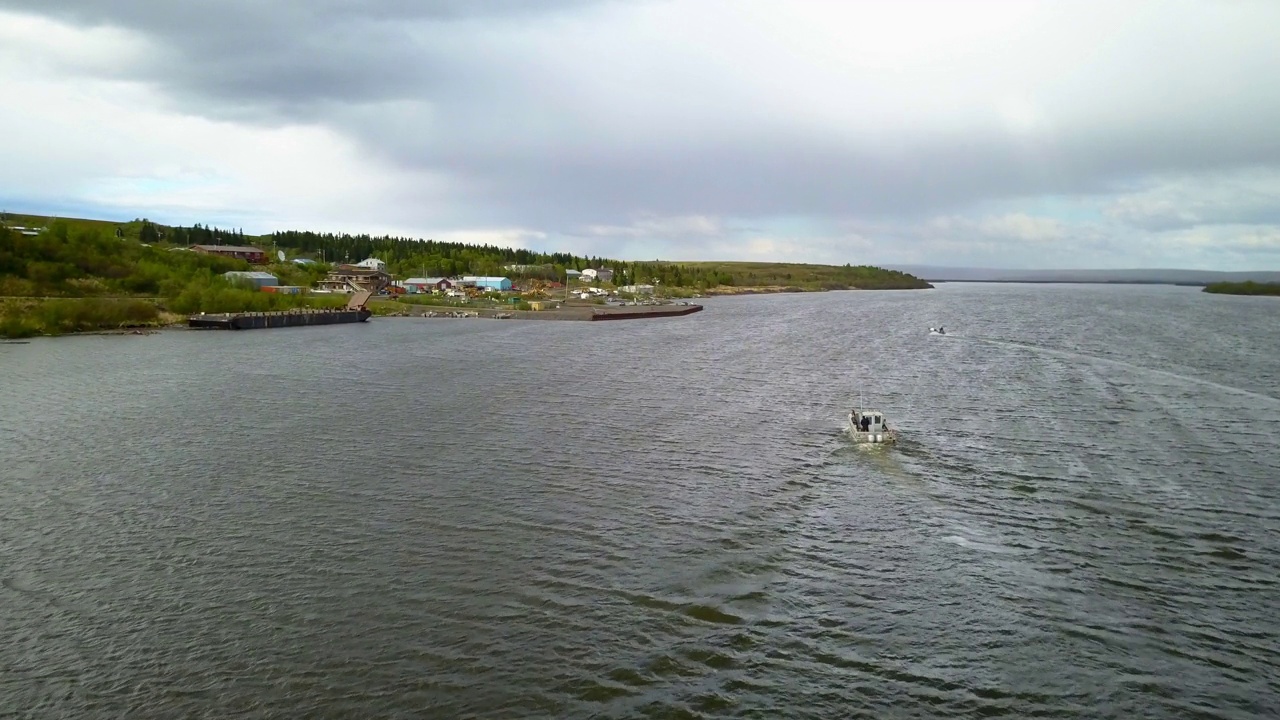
488, 283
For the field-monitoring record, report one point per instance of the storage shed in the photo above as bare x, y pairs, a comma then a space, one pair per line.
488, 283
427, 284
283, 289
255, 278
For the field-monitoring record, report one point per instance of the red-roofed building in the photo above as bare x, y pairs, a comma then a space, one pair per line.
239, 252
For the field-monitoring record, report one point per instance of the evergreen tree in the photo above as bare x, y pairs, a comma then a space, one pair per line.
148, 235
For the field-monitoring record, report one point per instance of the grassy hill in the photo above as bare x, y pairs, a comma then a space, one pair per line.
62, 275
803, 276
41, 221
1243, 288
1164, 276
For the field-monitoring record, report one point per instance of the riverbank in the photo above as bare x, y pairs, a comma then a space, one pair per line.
568, 311
579, 312
1248, 287
64, 276
758, 290
31, 316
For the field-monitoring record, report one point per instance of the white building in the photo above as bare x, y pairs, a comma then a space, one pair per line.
372, 264
637, 289
597, 275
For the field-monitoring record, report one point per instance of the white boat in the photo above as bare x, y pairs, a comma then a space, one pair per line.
869, 427
937, 331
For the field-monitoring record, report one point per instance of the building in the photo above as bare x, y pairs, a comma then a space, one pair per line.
239, 252
372, 264
22, 230
545, 267
353, 278
427, 285
487, 283
257, 279
637, 289
597, 275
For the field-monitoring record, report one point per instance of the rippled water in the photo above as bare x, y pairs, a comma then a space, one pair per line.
445, 518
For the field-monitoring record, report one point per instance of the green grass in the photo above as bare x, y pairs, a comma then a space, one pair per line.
40, 221
803, 276
433, 300
56, 316
1247, 287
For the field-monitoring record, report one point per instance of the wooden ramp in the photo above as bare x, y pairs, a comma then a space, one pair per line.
359, 300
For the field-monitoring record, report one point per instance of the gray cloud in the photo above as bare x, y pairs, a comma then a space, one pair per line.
564, 114
286, 58
1247, 197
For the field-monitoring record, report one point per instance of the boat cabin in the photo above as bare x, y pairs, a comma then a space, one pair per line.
868, 421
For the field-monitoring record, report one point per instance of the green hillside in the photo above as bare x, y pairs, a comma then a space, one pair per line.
62, 275
1248, 287
801, 276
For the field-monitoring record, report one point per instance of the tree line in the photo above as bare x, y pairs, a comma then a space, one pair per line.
407, 257
1248, 287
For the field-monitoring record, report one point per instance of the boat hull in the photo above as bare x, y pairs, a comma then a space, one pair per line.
882, 437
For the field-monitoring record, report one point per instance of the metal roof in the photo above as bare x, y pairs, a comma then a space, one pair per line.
229, 248
255, 274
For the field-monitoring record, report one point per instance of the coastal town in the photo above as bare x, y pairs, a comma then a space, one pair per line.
371, 275
587, 294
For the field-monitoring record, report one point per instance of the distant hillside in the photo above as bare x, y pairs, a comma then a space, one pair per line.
407, 257
803, 276
1167, 276
1243, 288
72, 274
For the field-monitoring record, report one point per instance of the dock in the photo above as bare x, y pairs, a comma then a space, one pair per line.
355, 311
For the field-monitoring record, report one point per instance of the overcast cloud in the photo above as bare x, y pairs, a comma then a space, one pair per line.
1003, 134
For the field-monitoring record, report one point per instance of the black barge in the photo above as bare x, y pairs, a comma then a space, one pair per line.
355, 311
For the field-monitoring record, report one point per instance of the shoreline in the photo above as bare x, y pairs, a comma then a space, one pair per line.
566, 310
572, 310
566, 313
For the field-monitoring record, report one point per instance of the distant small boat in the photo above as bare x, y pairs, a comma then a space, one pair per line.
937, 331
869, 427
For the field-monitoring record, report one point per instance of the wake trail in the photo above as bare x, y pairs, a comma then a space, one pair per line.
1128, 366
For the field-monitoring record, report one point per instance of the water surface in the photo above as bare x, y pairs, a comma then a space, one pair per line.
491, 519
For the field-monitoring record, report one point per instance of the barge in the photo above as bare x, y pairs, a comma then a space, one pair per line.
355, 311
648, 312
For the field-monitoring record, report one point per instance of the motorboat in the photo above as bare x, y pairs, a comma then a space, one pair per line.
937, 331
870, 427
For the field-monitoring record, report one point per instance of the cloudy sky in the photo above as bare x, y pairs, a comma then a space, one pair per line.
1017, 133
